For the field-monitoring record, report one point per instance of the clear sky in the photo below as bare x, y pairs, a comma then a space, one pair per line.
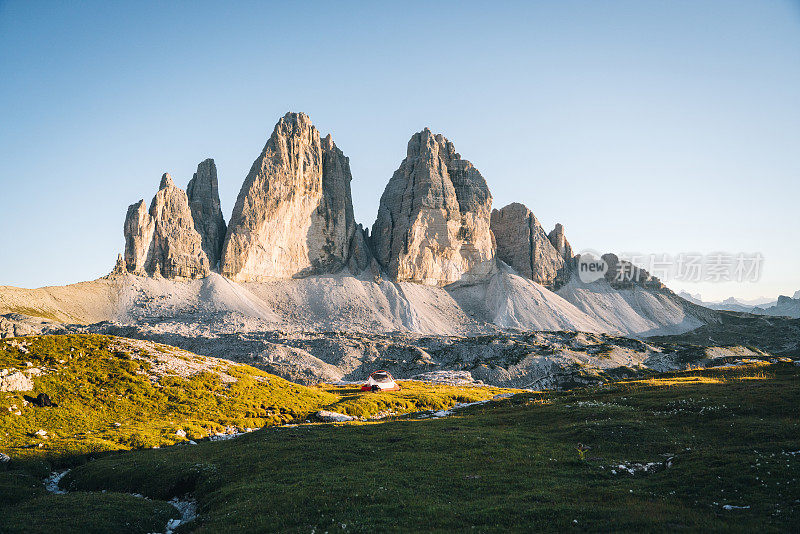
642, 126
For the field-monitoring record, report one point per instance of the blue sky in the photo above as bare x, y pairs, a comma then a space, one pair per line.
650, 127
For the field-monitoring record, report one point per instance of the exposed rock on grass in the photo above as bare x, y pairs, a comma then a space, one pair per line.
15, 381
332, 417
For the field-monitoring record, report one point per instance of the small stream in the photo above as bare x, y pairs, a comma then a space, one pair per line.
186, 507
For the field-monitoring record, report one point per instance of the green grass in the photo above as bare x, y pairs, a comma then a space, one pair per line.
107, 401
506, 465
413, 397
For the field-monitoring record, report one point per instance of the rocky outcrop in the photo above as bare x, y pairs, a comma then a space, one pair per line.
138, 230
361, 258
203, 195
560, 243
622, 274
523, 244
163, 240
785, 306
334, 216
333, 417
12, 380
294, 213
433, 220
120, 267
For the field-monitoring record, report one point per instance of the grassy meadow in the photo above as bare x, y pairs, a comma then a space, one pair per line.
703, 450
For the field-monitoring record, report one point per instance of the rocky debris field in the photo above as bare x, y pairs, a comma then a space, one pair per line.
536, 360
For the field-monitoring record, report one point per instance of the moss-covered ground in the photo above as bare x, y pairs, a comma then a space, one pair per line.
108, 399
700, 451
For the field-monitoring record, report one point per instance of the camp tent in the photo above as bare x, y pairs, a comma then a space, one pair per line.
380, 381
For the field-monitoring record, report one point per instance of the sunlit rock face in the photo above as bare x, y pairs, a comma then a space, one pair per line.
163, 240
523, 244
294, 213
433, 220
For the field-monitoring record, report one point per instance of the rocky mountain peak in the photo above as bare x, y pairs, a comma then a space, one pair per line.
163, 240
559, 241
523, 244
294, 213
622, 274
433, 220
203, 196
166, 181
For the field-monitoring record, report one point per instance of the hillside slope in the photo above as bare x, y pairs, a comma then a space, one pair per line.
117, 393
509, 465
346, 303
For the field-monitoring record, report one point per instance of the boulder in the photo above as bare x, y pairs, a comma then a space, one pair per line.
433, 220
163, 240
42, 400
361, 258
523, 244
203, 195
294, 213
333, 417
15, 381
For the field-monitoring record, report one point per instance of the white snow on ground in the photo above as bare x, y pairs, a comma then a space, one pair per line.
232, 432
632, 468
457, 406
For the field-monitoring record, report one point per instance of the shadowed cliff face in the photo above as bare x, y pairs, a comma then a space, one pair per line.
433, 220
203, 195
294, 213
523, 244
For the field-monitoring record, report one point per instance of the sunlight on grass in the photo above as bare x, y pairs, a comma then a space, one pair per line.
676, 381
109, 400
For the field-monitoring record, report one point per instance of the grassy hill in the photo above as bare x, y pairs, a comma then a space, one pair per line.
116, 393
674, 452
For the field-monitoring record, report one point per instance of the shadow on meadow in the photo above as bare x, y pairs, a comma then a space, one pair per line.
701, 450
